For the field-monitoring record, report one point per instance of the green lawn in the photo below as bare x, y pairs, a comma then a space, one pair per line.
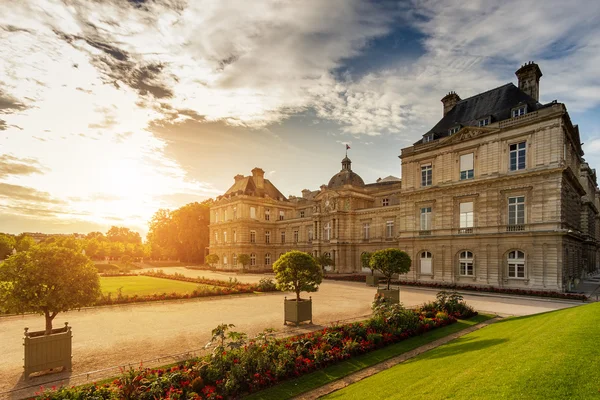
294, 387
143, 285
554, 355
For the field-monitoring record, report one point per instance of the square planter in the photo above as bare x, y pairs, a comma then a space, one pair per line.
297, 311
372, 280
391, 296
44, 352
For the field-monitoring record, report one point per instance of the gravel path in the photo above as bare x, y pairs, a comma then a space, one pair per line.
107, 337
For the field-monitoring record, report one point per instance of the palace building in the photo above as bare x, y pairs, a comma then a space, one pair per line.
497, 193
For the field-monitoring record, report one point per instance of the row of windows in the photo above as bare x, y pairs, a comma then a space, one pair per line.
389, 230
267, 214
466, 266
516, 162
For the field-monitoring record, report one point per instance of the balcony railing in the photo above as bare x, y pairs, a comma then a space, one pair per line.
515, 228
465, 231
424, 233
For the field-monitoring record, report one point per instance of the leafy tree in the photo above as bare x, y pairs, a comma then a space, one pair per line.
92, 248
47, 280
116, 250
24, 243
365, 258
390, 262
244, 259
298, 272
212, 259
96, 235
7, 244
324, 261
123, 235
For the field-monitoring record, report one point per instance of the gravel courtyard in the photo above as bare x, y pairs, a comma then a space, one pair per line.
107, 337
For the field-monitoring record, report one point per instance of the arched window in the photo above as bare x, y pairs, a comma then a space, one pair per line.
426, 263
252, 259
268, 259
234, 259
516, 264
465, 264
224, 259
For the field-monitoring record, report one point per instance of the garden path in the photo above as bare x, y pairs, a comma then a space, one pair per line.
107, 337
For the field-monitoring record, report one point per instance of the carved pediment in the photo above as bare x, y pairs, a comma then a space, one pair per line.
466, 133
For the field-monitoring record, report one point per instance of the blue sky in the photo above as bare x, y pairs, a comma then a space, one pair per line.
111, 110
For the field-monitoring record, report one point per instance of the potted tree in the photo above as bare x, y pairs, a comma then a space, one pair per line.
244, 259
365, 259
212, 260
390, 262
298, 272
324, 261
47, 280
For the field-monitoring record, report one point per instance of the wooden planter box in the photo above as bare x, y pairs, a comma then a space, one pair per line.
44, 352
297, 311
372, 280
391, 296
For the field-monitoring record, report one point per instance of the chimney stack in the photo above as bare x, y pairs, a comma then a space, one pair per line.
305, 193
238, 177
449, 101
529, 79
259, 177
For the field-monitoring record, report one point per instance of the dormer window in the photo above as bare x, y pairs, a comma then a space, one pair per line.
518, 111
453, 130
428, 137
484, 121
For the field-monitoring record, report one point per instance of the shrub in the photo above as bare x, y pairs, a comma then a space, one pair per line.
266, 285
298, 272
390, 262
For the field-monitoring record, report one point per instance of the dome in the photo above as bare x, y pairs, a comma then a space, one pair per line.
345, 176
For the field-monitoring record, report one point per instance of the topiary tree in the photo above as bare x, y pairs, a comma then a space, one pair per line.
324, 261
47, 280
298, 272
212, 259
365, 259
390, 262
244, 259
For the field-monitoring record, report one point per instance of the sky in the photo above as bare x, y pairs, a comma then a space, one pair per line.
110, 110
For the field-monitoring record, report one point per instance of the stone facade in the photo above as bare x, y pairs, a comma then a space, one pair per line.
496, 194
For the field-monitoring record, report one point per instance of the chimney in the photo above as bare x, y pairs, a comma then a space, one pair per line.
450, 101
529, 79
238, 177
259, 177
323, 187
305, 193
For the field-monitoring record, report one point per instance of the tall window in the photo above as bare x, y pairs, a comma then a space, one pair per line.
428, 137
282, 236
224, 259
516, 264
224, 236
389, 229
517, 112
268, 259
516, 210
234, 212
426, 175
366, 230
327, 230
216, 237
385, 202
296, 236
252, 236
309, 234
426, 218
217, 216
426, 263
484, 122
267, 237
517, 156
234, 259
252, 259
234, 237
267, 214
301, 214
253, 212
466, 217
465, 264
466, 166
453, 130
281, 215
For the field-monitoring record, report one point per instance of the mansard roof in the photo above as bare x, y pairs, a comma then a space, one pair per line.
496, 103
247, 186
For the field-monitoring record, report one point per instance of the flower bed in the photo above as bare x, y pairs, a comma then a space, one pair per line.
474, 288
238, 366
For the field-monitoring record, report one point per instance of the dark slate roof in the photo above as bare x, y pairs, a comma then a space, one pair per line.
496, 103
247, 186
345, 177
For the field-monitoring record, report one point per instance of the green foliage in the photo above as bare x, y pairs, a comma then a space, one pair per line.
266, 285
298, 272
244, 260
24, 243
47, 280
454, 304
7, 244
324, 261
365, 259
212, 259
390, 262
123, 235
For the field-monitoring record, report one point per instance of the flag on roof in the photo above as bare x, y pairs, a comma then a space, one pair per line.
347, 147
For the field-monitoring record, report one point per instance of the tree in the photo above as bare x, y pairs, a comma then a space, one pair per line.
365, 258
324, 261
24, 243
212, 259
298, 272
7, 244
390, 262
123, 235
244, 259
47, 280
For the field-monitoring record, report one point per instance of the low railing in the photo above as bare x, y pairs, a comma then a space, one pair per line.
465, 231
517, 120
515, 228
424, 233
